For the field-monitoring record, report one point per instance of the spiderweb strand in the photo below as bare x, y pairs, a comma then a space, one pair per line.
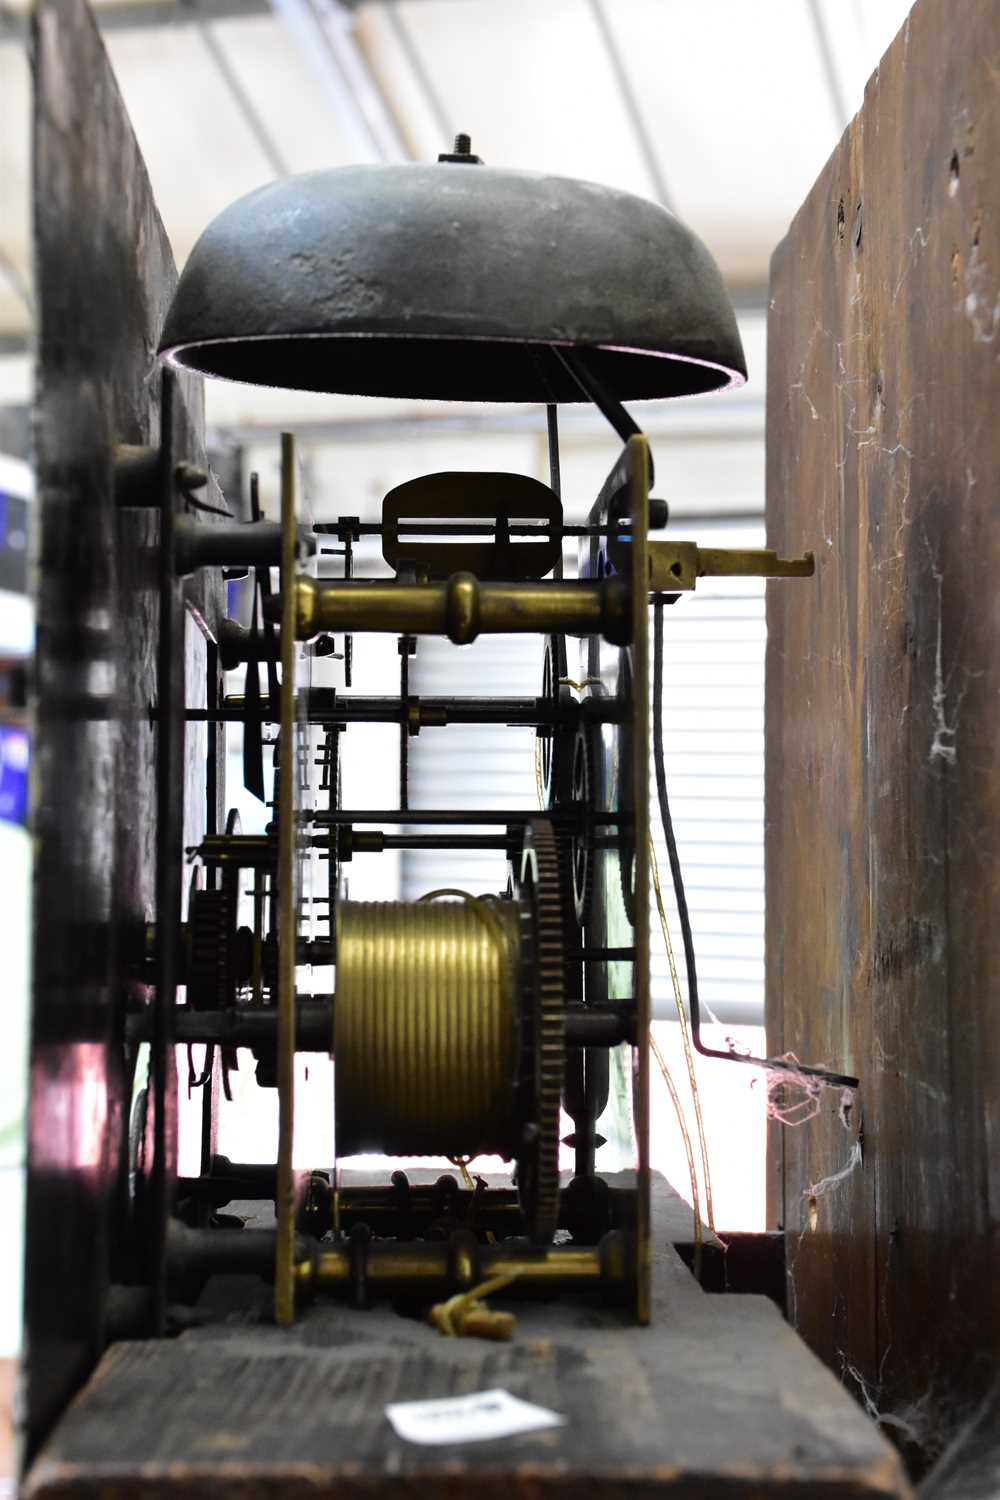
686, 1138
795, 1097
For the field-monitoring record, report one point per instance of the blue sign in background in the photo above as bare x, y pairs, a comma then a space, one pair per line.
13, 774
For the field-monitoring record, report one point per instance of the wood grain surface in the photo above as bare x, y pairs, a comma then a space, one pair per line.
104, 277
718, 1398
883, 713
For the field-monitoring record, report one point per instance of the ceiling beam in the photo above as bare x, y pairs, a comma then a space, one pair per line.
323, 31
17, 282
139, 15
431, 97
134, 15
636, 119
831, 73
243, 101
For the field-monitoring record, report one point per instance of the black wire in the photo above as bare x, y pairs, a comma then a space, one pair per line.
677, 875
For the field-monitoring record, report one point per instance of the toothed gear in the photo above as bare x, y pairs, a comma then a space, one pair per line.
572, 936
559, 695
569, 773
543, 1037
330, 762
575, 797
582, 796
211, 929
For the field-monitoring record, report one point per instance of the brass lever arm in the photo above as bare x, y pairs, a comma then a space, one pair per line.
675, 567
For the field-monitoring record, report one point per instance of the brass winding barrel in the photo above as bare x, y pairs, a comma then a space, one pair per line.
425, 1027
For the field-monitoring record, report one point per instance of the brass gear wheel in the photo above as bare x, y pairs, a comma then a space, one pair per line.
543, 1035
213, 940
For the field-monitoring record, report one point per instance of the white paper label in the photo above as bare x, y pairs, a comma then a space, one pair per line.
469, 1419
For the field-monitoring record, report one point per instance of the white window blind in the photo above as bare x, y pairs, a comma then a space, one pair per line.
713, 738
471, 765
